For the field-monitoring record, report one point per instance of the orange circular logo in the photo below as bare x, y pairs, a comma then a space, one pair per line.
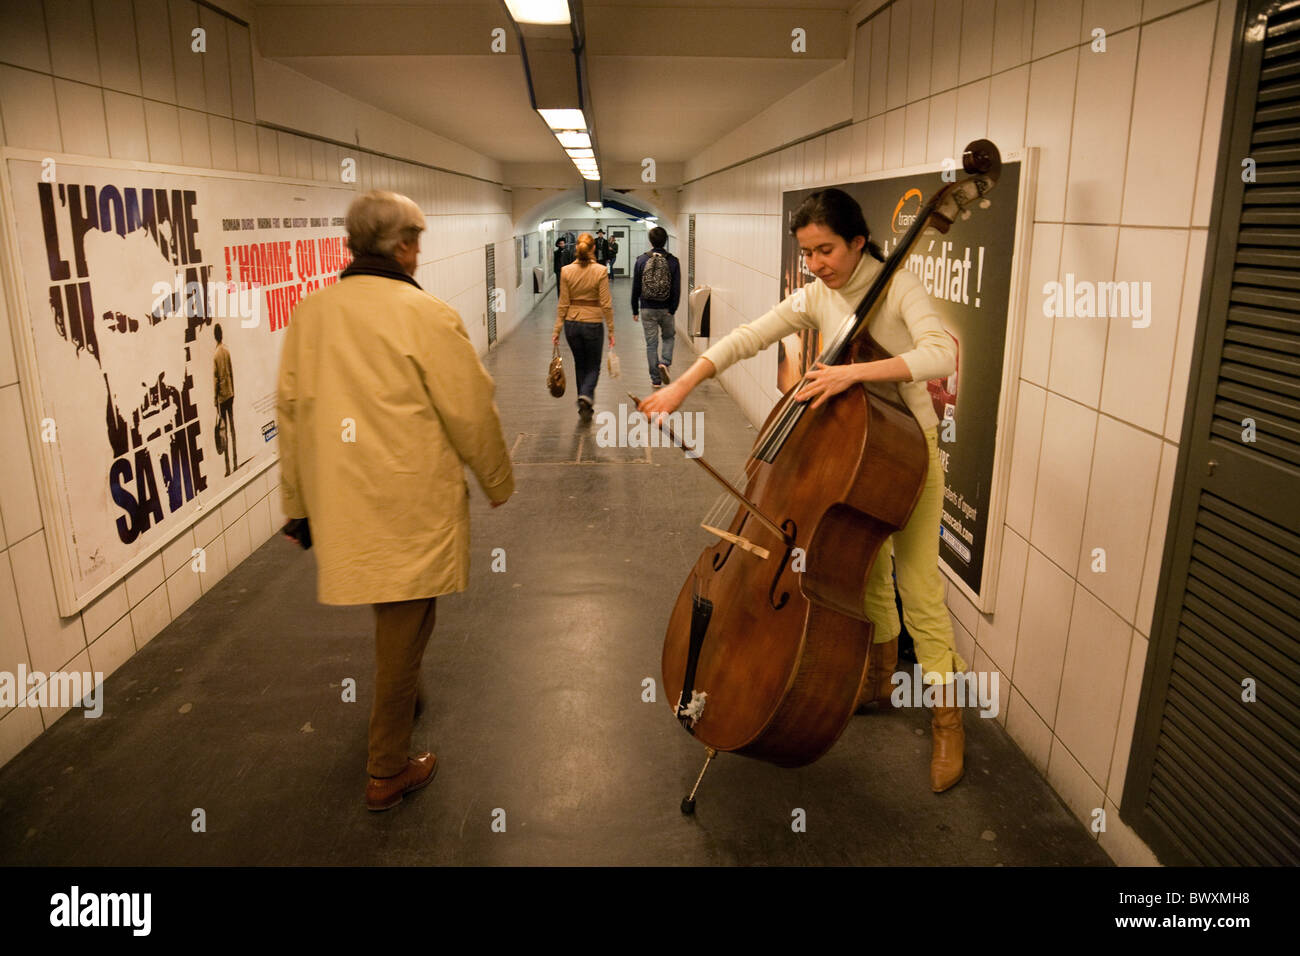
905, 212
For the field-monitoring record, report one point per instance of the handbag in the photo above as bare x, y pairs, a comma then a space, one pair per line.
219, 434
555, 375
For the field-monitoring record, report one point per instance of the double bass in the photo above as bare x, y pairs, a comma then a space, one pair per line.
768, 639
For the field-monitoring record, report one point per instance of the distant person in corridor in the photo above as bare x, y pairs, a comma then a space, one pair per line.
382, 403
560, 259
584, 303
656, 292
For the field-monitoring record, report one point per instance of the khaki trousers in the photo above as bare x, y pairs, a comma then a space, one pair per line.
402, 630
915, 552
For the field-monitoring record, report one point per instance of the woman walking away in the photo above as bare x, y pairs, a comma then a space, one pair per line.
584, 304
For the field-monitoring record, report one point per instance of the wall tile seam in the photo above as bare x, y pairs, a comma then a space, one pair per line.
82, 614
1042, 426
1020, 606
701, 211
170, 616
989, 76
1119, 225
105, 87
1205, 109
1074, 579
1127, 654
260, 124
1178, 321
135, 96
19, 605
1129, 668
1102, 601
1088, 774
1100, 412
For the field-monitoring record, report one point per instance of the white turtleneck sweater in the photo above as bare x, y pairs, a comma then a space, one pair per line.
906, 324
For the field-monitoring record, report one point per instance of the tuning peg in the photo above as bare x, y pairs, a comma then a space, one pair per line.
965, 214
985, 203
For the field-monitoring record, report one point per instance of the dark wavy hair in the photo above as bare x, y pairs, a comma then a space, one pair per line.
840, 213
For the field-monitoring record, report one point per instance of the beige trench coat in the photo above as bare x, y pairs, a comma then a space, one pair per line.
382, 401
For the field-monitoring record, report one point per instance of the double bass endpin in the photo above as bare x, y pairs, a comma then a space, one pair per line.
688, 802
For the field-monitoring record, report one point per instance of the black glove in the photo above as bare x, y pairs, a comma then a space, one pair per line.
299, 530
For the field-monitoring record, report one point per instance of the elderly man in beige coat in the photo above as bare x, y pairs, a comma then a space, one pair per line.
382, 402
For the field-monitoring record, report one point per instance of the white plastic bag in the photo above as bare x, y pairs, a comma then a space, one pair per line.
614, 370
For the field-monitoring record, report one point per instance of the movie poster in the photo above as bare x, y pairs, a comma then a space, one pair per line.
968, 273
152, 309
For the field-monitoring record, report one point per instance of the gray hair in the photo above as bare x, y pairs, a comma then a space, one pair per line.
378, 220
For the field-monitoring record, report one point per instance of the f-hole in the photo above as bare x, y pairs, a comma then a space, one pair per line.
791, 531
720, 559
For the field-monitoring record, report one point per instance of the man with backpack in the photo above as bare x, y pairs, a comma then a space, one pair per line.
656, 289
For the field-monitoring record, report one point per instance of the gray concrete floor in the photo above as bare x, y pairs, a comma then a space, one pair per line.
534, 678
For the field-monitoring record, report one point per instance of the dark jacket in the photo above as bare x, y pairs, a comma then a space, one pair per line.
562, 257
602, 248
674, 296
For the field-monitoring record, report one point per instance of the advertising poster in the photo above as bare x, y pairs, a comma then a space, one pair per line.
152, 306
968, 273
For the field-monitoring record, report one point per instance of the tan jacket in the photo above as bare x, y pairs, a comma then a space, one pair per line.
581, 288
382, 401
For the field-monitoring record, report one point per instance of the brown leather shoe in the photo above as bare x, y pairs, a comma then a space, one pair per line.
876, 686
384, 793
946, 760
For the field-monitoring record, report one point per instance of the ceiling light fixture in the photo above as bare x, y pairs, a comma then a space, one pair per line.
539, 11
574, 138
559, 120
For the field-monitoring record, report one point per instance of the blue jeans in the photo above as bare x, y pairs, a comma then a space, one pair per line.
657, 323
586, 341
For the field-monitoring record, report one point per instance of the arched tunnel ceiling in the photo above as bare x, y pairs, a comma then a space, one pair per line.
667, 78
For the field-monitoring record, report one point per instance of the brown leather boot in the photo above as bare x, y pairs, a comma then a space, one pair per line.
946, 759
876, 686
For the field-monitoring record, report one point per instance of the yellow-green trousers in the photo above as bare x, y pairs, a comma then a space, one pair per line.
915, 551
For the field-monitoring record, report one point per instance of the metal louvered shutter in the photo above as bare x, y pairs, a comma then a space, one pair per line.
491, 253
1214, 775
690, 255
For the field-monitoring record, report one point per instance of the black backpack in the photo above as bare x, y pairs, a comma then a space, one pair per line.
656, 278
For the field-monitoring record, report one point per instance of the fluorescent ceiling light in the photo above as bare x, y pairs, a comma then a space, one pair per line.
595, 205
581, 153
539, 11
564, 119
590, 175
574, 139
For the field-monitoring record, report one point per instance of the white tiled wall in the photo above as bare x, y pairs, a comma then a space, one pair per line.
1128, 139
118, 79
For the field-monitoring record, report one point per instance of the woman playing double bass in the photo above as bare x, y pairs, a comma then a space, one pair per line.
833, 238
